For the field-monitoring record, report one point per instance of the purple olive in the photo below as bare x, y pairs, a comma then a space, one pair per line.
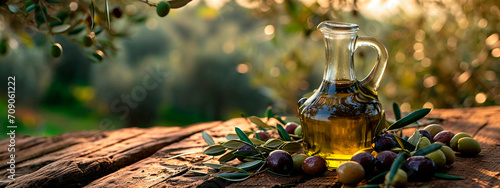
262, 134
383, 142
280, 161
426, 134
117, 12
419, 168
314, 166
444, 137
384, 160
290, 127
366, 160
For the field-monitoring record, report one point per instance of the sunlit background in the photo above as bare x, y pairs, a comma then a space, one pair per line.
222, 58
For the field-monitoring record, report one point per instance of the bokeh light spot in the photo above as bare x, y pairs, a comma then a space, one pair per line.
492, 39
426, 62
269, 30
274, 72
495, 52
428, 105
430, 81
482, 23
480, 98
73, 6
405, 107
242, 68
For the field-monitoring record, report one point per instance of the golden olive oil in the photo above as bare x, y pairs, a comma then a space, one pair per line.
338, 120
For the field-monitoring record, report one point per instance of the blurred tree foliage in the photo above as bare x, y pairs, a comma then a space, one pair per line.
227, 57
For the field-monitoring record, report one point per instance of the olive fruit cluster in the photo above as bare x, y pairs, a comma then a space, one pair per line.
461, 142
293, 128
282, 162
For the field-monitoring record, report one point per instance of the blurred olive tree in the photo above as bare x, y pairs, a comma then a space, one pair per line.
227, 57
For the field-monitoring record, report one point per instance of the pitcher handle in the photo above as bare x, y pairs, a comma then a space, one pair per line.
372, 80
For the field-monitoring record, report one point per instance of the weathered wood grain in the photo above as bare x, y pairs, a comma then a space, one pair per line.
82, 163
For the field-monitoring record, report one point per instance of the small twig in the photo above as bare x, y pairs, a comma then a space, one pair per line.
148, 3
478, 129
183, 171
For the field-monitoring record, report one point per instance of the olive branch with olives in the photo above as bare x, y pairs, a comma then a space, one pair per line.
79, 21
253, 152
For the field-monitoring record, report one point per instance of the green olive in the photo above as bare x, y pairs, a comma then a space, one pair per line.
454, 140
449, 154
433, 129
438, 157
468, 146
163, 8
399, 180
350, 173
56, 50
87, 41
298, 159
424, 141
298, 131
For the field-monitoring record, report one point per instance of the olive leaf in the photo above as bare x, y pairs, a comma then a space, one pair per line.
14, 9
283, 134
232, 168
369, 186
213, 165
395, 166
378, 178
250, 165
447, 176
235, 176
269, 112
400, 143
406, 144
264, 149
30, 8
414, 138
428, 149
243, 136
257, 121
208, 139
397, 111
232, 137
273, 143
215, 150
245, 153
291, 147
279, 119
60, 28
76, 30
107, 14
227, 157
178, 3
256, 141
278, 173
410, 118
40, 12
381, 124
182, 154
92, 15
234, 144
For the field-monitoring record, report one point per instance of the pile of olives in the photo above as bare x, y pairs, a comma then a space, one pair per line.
365, 163
282, 162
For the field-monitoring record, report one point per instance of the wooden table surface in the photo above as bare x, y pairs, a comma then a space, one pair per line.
135, 157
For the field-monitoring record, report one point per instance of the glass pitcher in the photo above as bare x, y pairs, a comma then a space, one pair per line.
341, 116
